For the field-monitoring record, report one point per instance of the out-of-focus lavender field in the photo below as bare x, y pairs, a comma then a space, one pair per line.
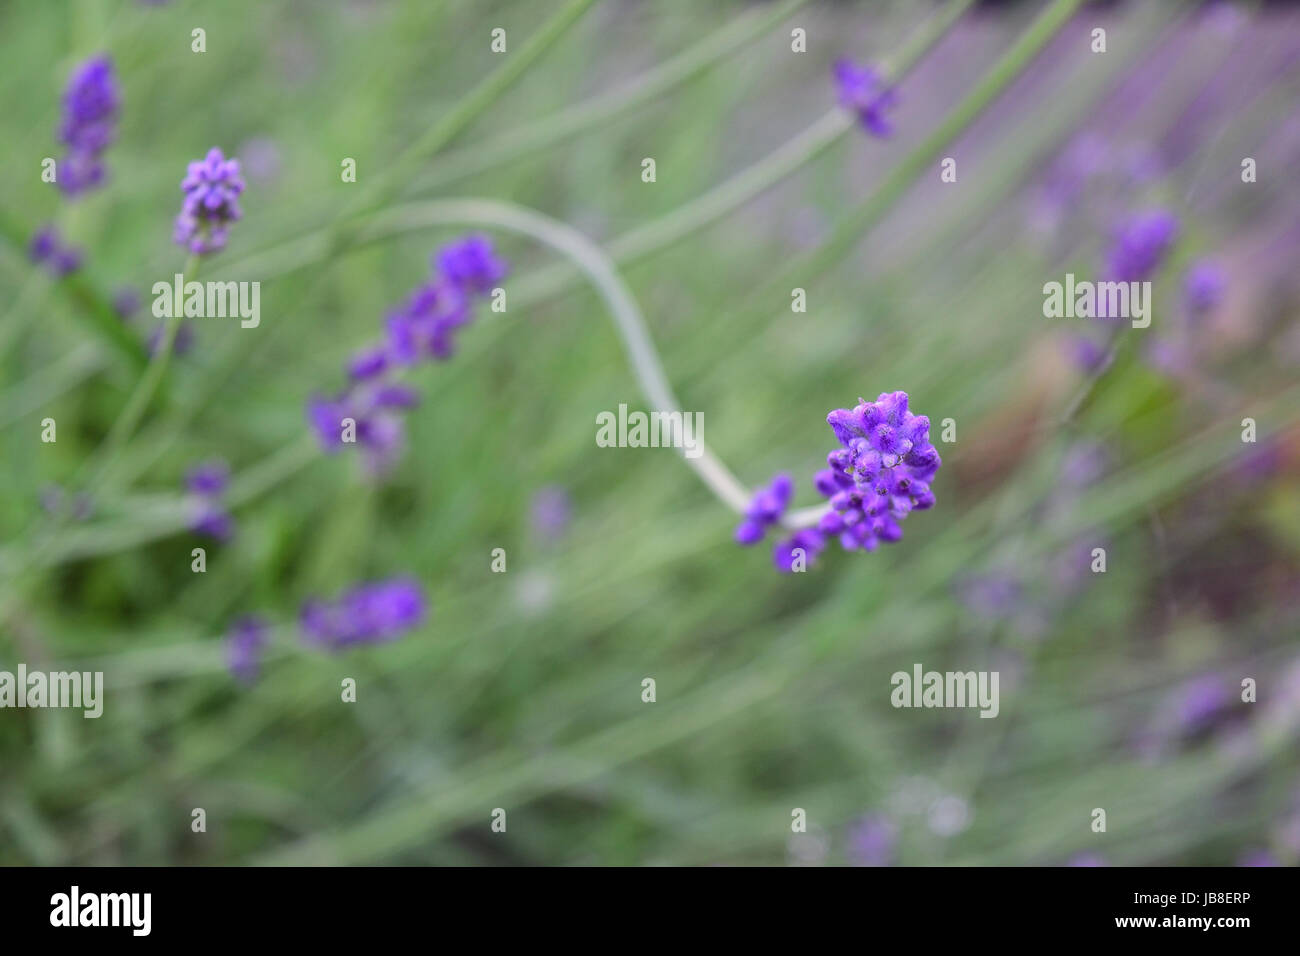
1115, 529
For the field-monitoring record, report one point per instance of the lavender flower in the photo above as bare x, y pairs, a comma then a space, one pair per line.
209, 478
471, 264
552, 510
872, 841
367, 415
367, 614
244, 646
807, 540
422, 328
126, 302
862, 90
212, 187
206, 484
90, 105
1140, 244
182, 342
880, 474
765, 509
1203, 286
47, 249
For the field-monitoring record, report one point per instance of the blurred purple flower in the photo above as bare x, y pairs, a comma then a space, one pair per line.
209, 478
244, 646
1199, 702
808, 540
47, 249
90, 105
1257, 857
182, 342
421, 328
1140, 244
1086, 354
1203, 286
367, 614
206, 484
1087, 859
126, 302
991, 596
212, 187
552, 510
872, 841
862, 90
765, 509
372, 408
471, 264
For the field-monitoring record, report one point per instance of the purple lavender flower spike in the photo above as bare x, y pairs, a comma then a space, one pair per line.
43, 245
367, 614
765, 509
372, 407
368, 364
47, 249
90, 105
423, 327
882, 472
808, 540
872, 841
207, 483
209, 478
211, 521
862, 90
1203, 286
244, 646
471, 264
1140, 245
212, 187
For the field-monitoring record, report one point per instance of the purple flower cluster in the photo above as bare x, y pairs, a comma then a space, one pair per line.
880, 474
182, 341
206, 484
765, 509
863, 91
367, 614
47, 249
1140, 245
90, 105
212, 187
244, 646
1204, 286
367, 412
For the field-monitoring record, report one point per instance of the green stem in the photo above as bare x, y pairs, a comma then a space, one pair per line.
124, 427
581, 117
